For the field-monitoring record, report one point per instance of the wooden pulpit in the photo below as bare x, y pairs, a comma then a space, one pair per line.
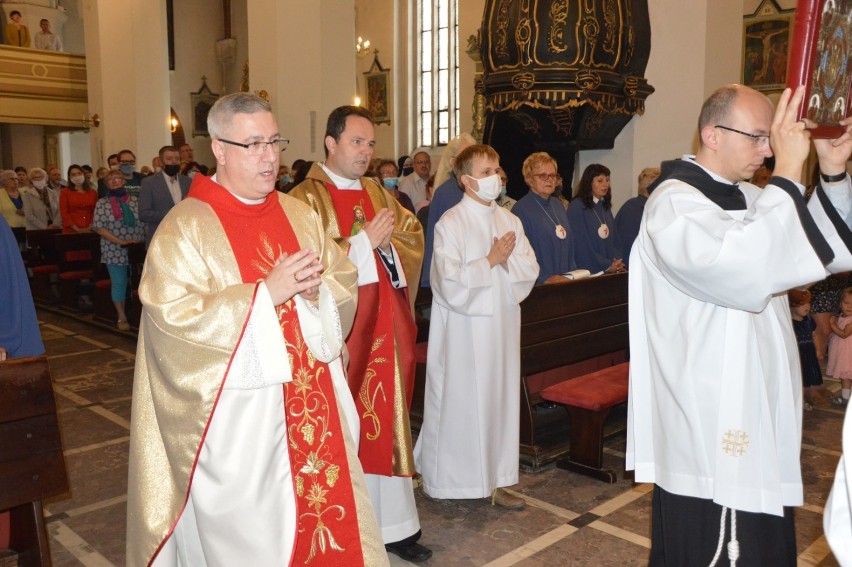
32, 466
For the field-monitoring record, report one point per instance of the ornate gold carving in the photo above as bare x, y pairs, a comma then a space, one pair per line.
593, 123
591, 30
526, 122
611, 26
523, 35
501, 47
631, 86
563, 119
735, 443
588, 80
558, 19
523, 81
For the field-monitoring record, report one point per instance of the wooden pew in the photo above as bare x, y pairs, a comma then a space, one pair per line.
79, 254
32, 466
567, 330
43, 262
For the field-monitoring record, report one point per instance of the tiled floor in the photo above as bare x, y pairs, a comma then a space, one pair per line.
569, 519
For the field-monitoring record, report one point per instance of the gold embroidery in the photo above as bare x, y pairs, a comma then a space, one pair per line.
369, 401
735, 443
309, 409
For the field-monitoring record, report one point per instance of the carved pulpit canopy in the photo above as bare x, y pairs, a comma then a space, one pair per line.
566, 55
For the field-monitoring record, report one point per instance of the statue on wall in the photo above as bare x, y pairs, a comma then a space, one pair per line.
561, 76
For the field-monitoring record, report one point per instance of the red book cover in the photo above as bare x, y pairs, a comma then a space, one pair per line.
820, 55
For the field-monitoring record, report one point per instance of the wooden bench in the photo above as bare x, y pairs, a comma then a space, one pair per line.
567, 330
43, 263
588, 399
79, 255
32, 466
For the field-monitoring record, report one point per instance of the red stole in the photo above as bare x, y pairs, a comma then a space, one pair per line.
327, 522
383, 331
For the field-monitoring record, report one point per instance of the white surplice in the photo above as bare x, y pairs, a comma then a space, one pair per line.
715, 408
468, 444
837, 521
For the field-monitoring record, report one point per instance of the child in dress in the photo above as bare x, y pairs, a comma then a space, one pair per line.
804, 327
840, 349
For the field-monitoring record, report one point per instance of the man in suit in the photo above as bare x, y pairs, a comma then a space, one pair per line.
162, 191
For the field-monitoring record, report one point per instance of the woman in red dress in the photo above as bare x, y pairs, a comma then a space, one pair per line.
77, 202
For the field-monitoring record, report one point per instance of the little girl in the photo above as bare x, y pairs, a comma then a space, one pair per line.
804, 326
840, 348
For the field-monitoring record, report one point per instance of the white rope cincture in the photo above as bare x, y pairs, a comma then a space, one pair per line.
733, 545
721, 537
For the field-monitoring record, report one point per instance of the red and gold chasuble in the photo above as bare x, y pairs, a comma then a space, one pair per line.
383, 331
327, 522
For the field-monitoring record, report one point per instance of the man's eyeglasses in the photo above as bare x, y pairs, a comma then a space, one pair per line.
546, 176
257, 148
423, 162
757, 140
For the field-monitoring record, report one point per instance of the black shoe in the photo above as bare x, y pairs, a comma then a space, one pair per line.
413, 552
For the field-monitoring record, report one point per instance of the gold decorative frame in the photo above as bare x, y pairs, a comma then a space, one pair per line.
377, 92
766, 47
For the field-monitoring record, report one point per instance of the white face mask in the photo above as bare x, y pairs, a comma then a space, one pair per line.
77, 179
39, 184
489, 187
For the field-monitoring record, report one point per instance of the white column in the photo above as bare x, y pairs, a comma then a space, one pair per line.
302, 53
128, 77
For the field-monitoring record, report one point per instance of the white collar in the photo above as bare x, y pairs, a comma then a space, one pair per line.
341, 182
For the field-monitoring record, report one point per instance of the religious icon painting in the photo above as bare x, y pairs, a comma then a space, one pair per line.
822, 46
766, 44
358, 220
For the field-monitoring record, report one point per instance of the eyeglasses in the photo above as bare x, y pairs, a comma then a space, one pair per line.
127, 162
757, 140
257, 148
422, 162
546, 176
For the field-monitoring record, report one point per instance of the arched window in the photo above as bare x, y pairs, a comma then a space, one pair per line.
438, 65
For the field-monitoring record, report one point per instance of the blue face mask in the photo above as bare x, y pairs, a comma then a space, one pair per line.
390, 182
285, 179
126, 168
502, 191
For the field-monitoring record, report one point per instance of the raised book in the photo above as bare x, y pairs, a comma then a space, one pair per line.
820, 56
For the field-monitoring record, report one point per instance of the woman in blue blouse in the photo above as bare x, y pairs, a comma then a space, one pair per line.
117, 222
597, 247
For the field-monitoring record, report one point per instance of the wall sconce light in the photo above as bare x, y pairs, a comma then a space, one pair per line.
357, 101
174, 124
95, 121
362, 47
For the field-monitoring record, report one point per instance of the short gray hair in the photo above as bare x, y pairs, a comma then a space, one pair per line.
7, 174
226, 107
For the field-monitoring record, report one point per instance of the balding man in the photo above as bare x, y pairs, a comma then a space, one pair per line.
414, 185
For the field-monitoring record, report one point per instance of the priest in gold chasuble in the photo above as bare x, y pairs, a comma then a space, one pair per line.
242, 447
385, 242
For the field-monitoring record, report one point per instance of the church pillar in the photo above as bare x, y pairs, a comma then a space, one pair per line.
302, 53
128, 77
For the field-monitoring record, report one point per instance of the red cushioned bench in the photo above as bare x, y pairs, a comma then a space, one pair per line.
588, 399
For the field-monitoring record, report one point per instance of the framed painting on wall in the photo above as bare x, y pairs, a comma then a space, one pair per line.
766, 46
201, 102
377, 91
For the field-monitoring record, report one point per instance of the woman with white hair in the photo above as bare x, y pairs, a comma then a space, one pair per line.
40, 209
